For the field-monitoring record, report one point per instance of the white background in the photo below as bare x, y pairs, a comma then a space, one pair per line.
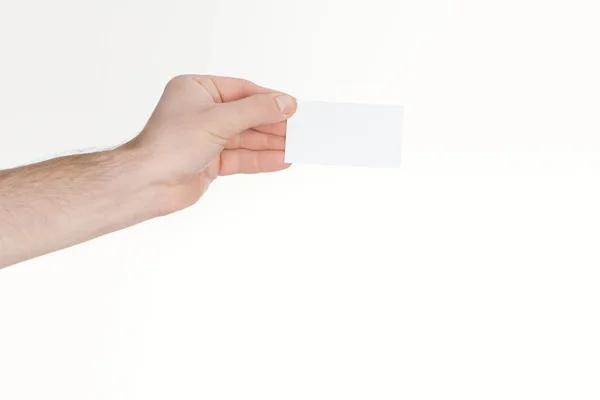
470, 273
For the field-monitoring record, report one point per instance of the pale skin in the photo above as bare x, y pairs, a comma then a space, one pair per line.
203, 127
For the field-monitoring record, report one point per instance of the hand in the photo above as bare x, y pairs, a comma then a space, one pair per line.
206, 126
203, 127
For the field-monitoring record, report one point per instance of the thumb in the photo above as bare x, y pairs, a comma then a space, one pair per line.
228, 119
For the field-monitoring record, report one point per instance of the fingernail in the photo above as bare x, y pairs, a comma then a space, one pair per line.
286, 103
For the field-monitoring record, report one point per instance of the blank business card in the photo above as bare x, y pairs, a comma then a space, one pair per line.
362, 135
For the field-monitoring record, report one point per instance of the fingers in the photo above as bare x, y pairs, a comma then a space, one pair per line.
278, 129
225, 89
228, 119
253, 140
244, 161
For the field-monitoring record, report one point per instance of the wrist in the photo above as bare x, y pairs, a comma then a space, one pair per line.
137, 181
152, 179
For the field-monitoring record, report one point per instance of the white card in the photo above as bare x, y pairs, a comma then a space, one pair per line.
362, 135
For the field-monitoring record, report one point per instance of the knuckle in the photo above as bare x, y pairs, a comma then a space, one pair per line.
179, 80
256, 164
203, 80
176, 79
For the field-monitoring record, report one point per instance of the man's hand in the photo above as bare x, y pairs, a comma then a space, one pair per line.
207, 126
203, 127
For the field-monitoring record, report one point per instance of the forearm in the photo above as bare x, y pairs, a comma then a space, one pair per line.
62, 202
